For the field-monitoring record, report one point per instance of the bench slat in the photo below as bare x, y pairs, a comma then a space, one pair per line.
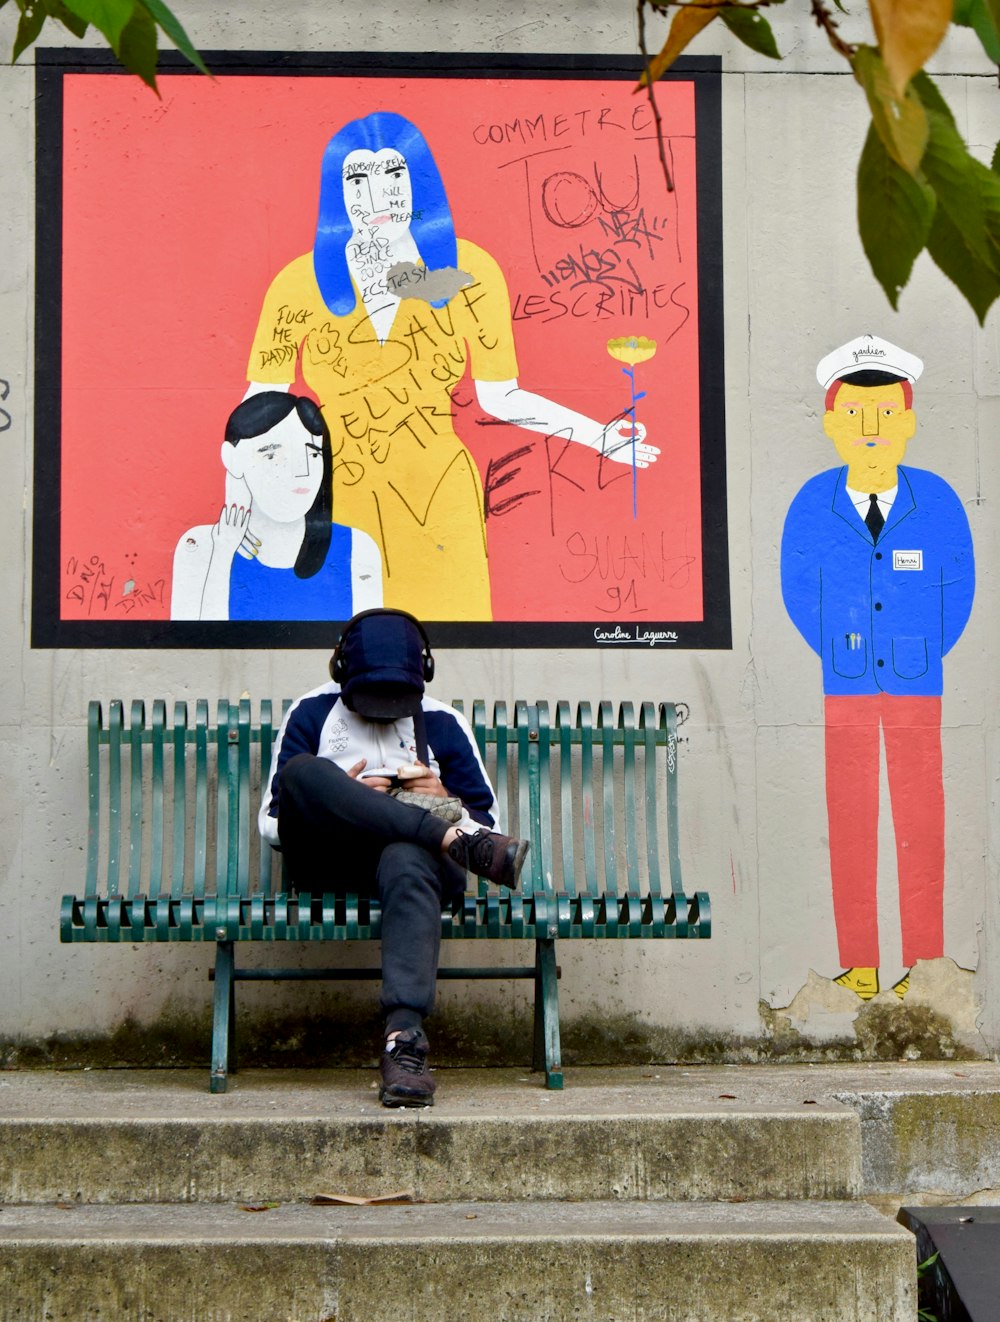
225, 802
541, 808
157, 735
525, 794
584, 720
200, 860
267, 857
136, 725
564, 734
94, 730
605, 728
673, 826
626, 723
245, 811
501, 739
114, 796
648, 728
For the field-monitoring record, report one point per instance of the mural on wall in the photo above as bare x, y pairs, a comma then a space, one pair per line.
878, 576
424, 279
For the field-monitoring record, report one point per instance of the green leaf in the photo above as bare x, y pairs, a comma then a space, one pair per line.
753, 29
137, 47
967, 191
57, 10
978, 282
108, 16
994, 8
901, 121
894, 215
995, 163
984, 19
173, 29
29, 26
925, 88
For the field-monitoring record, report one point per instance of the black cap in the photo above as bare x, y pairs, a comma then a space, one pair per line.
383, 666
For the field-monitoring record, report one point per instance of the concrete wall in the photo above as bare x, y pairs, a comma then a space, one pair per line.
753, 809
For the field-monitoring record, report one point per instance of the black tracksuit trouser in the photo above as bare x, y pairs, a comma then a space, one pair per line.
336, 832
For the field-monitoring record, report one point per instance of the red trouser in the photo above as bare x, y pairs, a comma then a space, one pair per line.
912, 728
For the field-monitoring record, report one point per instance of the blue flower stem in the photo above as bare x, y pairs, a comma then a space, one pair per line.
630, 373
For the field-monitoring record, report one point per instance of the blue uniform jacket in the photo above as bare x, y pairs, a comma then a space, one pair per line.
881, 617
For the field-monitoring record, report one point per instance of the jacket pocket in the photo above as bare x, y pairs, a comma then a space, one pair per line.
849, 655
909, 657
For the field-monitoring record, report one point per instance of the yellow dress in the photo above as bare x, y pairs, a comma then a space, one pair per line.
400, 471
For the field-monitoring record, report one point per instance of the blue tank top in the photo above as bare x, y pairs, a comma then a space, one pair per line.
257, 592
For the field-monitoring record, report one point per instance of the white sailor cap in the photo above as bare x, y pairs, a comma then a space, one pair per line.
868, 353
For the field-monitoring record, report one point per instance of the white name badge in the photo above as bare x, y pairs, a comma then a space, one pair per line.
907, 559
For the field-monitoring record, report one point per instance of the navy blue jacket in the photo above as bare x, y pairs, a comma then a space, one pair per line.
321, 724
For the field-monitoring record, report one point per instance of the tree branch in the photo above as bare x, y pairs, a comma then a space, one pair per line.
826, 21
641, 10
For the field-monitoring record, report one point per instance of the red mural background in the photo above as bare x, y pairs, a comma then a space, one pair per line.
178, 212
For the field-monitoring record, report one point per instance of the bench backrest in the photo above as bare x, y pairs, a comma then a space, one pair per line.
173, 804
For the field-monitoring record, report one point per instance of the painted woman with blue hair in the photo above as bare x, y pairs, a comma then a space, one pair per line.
382, 318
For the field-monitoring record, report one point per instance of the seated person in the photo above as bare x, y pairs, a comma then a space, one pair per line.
276, 552
342, 751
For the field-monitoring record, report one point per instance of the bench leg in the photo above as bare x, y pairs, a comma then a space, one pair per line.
546, 1054
223, 1018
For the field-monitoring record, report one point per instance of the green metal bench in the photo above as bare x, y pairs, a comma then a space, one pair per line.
173, 852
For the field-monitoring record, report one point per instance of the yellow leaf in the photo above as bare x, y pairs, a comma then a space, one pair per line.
688, 22
909, 32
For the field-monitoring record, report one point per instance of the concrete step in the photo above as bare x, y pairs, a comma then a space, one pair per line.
493, 1136
452, 1262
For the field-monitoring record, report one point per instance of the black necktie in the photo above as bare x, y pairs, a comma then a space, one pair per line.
873, 519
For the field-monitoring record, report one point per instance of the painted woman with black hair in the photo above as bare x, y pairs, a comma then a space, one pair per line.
275, 553
383, 318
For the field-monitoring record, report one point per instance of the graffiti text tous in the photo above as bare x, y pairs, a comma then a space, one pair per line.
4, 415
600, 249
592, 120
634, 633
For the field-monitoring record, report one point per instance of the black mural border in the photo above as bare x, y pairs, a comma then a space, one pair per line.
48, 630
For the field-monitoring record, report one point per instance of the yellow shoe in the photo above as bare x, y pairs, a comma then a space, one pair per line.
863, 982
903, 985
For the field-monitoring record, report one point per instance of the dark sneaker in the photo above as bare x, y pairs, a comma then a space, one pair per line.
498, 858
406, 1080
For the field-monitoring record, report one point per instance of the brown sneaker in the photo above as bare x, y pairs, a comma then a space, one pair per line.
498, 858
406, 1080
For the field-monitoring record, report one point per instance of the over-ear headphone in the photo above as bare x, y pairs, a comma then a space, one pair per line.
337, 673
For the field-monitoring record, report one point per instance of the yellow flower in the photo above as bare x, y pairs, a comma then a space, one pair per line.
631, 349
